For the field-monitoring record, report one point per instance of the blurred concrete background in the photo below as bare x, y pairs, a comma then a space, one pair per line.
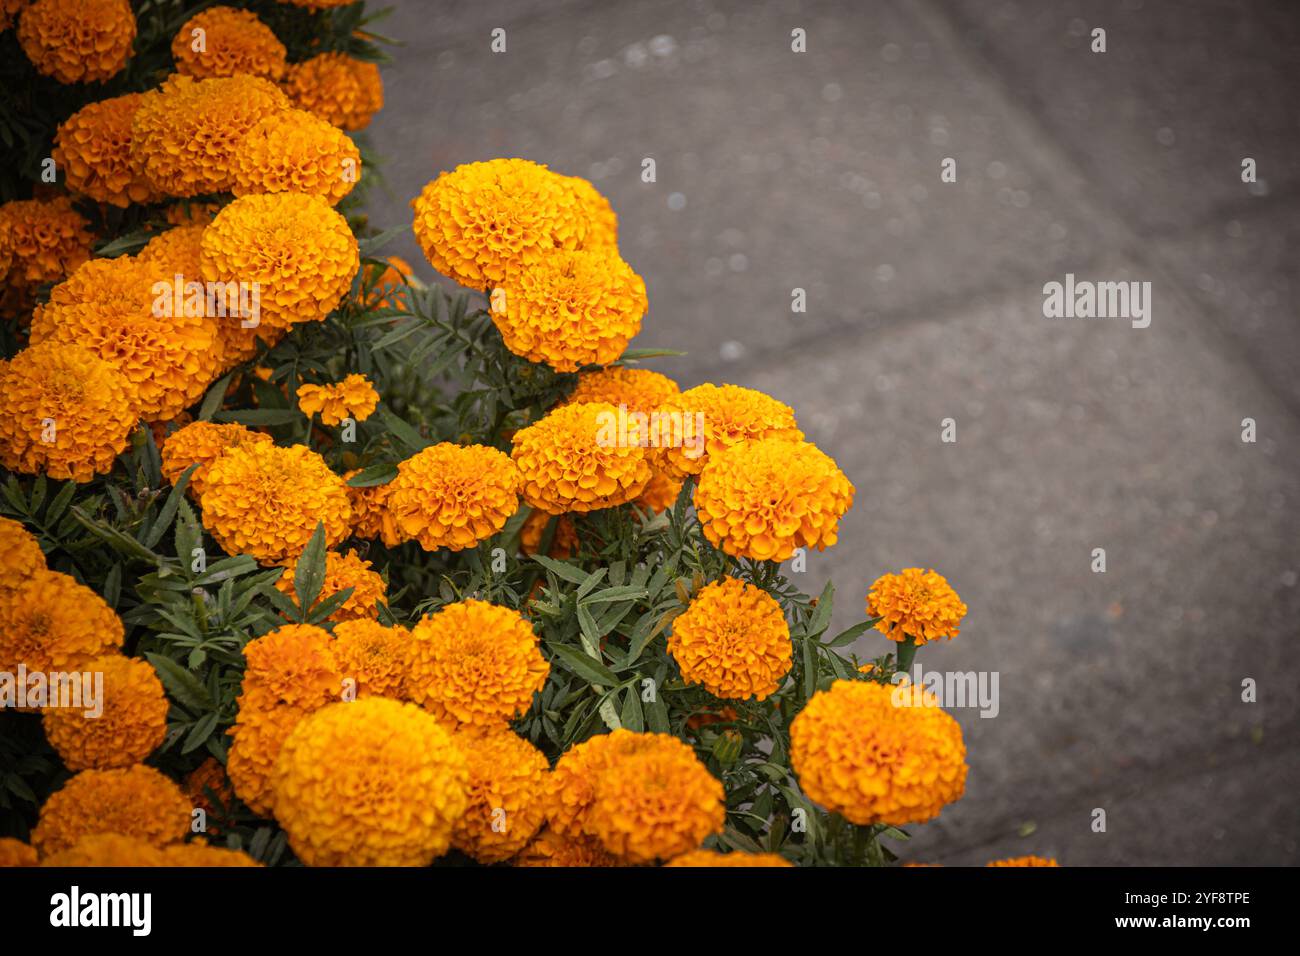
821, 171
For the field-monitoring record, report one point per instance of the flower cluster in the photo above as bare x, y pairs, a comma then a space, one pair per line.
354, 397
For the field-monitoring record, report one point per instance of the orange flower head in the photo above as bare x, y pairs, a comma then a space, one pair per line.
507, 795
917, 604
453, 496
733, 639
354, 397
730, 414
297, 151
342, 90
137, 802
77, 41
93, 149
345, 570
223, 41
131, 726
202, 443
50, 622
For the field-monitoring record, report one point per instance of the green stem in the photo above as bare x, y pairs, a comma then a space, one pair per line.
906, 652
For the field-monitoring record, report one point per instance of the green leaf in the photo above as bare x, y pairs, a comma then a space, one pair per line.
325, 608
590, 583
631, 355
575, 661
809, 669
402, 431
851, 634
309, 572
181, 684
60, 503
371, 244
631, 716
168, 512
212, 400
562, 569
380, 474
200, 732
821, 615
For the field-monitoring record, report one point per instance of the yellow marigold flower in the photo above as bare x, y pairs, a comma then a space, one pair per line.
762, 499
20, 555
372, 655
657, 803
475, 663
203, 443
187, 134
733, 639
576, 776
160, 345
132, 725
257, 736
340, 89
730, 415
293, 664
373, 782
877, 753
16, 853
228, 41
93, 148
551, 848
484, 223
573, 460
661, 492
345, 570
52, 623
571, 309
370, 515
296, 151
507, 795
453, 496
77, 41
266, 501
107, 849
137, 802
602, 230
298, 250
640, 389
178, 250
917, 604
41, 240
736, 858
564, 542
1024, 861
202, 855
354, 397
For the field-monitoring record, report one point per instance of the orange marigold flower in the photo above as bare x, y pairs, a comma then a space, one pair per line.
68, 412
571, 309
573, 460
202, 443
209, 789
9, 10
661, 493
484, 223
475, 663
551, 848
576, 776
602, 229
137, 802
453, 496
354, 397
370, 515
345, 570
297, 151
1024, 861
200, 854
223, 41
16, 853
293, 664
77, 41
266, 501
507, 795
178, 250
372, 655
762, 499
733, 639
132, 724
298, 250
93, 148
340, 89
187, 134
20, 555
640, 389
257, 736
187, 213
730, 415
107, 849
878, 754
564, 541
915, 604
373, 782
161, 346
387, 285
49, 622
656, 803
735, 858
41, 241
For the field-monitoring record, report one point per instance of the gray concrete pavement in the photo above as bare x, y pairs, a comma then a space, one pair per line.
821, 170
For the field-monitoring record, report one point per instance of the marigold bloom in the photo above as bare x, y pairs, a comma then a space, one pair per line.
661, 492
373, 782
20, 555
484, 223
132, 725
878, 754
208, 788
1024, 861
569, 461
345, 570
640, 389
372, 655
77, 41
730, 414
41, 241
161, 346
733, 639
297, 151
475, 663
571, 309
9, 10
16, 853
293, 664
736, 858
178, 250
93, 148
354, 397
257, 736
202, 855
266, 501
49, 622
574, 781
298, 250
370, 515
564, 541
453, 496
384, 292
136, 802
202, 443
229, 41
762, 499
602, 222
550, 849
507, 795
107, 849
342, 90
657, 803
915, 604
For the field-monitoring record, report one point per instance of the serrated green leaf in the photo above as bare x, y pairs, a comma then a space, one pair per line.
582, 665
181, 684
380, 474
309, 571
